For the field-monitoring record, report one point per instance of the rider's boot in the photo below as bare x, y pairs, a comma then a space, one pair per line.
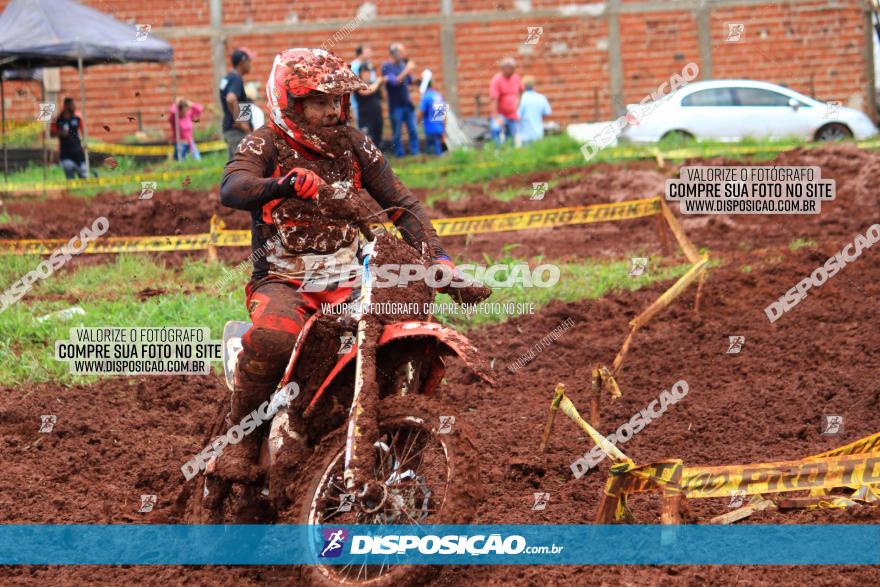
240, 462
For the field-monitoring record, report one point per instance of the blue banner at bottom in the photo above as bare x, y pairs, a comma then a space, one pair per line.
440, 544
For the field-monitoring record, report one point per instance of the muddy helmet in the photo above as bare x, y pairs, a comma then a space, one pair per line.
310, 72
300, 73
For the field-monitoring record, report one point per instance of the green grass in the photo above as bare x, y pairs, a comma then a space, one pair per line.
556, 152
204, 178
800, 243
577, 281
473, 166
204, 174
10, 218
108, 293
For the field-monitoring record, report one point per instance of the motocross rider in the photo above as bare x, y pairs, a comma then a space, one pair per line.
307, 143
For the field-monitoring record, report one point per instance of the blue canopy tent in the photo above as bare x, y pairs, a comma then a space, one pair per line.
58, 33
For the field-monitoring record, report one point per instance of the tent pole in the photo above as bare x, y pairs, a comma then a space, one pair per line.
3, 131
176, 107
82, 93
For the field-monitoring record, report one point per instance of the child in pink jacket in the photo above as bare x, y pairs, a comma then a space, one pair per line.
185, 144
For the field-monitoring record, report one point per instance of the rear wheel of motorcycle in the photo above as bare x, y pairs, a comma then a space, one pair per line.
436, 479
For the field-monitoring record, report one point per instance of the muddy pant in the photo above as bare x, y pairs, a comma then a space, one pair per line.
278, 312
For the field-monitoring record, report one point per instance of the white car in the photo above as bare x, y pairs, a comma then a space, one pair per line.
729, 110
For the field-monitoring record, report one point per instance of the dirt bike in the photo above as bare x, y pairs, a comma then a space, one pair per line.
366, 440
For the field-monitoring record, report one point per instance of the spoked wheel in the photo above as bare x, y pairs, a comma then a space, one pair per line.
428, 478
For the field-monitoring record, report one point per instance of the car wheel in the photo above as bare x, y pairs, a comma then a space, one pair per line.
834, 132
677, 137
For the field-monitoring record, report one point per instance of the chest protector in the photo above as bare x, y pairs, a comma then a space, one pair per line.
302, 225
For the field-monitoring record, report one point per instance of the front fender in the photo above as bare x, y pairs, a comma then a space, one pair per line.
454, 341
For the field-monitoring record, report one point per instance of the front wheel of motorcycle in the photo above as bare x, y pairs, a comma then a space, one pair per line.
429, 468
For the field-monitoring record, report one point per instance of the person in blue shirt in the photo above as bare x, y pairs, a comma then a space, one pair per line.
533, 107
432, 110
400, 107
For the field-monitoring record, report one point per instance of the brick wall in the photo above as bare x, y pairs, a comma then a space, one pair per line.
808, 45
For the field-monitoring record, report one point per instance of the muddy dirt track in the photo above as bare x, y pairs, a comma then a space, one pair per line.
124, 437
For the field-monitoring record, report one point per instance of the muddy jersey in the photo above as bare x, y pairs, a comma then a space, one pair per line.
314, 244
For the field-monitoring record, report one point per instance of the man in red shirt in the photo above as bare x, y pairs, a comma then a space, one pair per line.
504, 91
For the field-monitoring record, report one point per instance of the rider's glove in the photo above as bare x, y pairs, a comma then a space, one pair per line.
468, 291
444, 260
300, 182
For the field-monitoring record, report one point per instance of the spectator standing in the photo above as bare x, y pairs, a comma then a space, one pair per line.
363, 55
67, 128
504, 91
432, 109
533, 108
400, 107
232, 95
184, 131
370, 104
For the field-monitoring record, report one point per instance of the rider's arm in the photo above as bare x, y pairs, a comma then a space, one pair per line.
245, 184
387, 189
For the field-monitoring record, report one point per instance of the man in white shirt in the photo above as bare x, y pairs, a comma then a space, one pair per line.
533, 108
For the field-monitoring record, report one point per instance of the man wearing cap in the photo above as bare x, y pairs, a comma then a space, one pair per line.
232, 95
504, 91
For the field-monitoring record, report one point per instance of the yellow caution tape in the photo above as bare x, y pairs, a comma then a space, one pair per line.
112, 244
817, 473
832, 503
117, 149
690, 251
607, 447
858, 470
660, 304
853, 471
106, 181
863, 445
219, 237
669, 295
643, 478
547, 218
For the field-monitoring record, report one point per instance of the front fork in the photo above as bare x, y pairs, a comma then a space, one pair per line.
363, 419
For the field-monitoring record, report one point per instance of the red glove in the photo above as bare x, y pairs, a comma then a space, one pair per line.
303, 183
